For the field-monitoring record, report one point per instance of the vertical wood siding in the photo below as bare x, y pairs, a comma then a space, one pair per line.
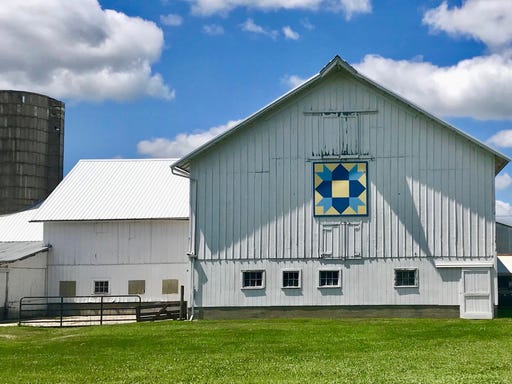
371, 282
430, 191
118, 251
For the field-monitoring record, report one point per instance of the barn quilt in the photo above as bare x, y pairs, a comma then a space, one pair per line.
340, 189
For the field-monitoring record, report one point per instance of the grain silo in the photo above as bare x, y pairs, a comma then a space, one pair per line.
31, 148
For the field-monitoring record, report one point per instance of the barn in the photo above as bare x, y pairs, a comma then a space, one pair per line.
23, 257
117, 227
504, 265
342, 198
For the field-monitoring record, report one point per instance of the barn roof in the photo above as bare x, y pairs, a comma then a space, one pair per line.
19, 250
17, 227
335, 64
118, 189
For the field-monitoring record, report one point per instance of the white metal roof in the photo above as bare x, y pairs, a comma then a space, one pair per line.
118, 189
17, 227
18, 250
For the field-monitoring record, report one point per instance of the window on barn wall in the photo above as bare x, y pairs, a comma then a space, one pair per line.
329, 278
170, 286
101, 287
253, 279
136, 287
291, 279
406, 277
67, 288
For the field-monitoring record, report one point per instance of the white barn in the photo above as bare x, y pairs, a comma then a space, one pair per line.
342, 198
118, 227
22, 261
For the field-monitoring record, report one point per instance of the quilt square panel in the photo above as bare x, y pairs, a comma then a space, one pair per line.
340, 189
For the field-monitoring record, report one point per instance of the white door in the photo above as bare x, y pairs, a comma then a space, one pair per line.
476, 294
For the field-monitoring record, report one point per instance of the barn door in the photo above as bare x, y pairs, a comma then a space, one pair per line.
476, 294
340, 241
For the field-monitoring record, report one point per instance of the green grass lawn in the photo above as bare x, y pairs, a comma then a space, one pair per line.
262, 351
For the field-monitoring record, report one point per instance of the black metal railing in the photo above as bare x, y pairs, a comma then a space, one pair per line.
78, 310
60, 311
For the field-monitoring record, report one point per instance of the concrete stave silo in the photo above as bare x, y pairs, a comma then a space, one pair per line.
31, 148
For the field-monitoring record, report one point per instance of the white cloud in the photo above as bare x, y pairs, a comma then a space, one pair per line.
503, 212
489, 21
171, 20
307, 24
78, 50
250, 26
349, 7
181, 144
503, 181
501, 139
213, 29
292, 81
290, 34
480, 87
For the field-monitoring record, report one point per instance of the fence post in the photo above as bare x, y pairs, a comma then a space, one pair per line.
182, 295
19, 313
61, 309
101, 311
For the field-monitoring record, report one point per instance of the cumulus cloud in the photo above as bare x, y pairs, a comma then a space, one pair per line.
349, 7
182, 144
501, 139
292, 81
290, 34
503, 181
489, 21
171, 20
480, 87
503, 212
250, 26
78, 50
213, 29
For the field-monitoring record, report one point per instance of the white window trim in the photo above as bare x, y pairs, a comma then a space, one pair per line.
291, 270
416, 277
339, 285
263, 279
101, 294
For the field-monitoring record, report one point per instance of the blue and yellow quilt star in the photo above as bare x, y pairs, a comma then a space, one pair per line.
340, 189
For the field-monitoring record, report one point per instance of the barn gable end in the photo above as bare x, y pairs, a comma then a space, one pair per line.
273, 195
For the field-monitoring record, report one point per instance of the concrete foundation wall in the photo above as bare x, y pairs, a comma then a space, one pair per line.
428, 311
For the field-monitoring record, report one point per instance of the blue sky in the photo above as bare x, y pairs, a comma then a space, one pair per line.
154, 78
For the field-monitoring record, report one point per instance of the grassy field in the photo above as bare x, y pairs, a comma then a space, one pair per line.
262, 351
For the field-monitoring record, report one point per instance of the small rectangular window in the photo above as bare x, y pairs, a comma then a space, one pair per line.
67, 288
136, 287
291, 279
329, 278
170, 286
101, 287
253, 279
406, 277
